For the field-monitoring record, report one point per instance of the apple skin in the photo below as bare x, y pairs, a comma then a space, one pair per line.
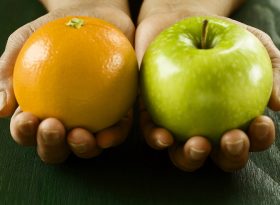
192, 91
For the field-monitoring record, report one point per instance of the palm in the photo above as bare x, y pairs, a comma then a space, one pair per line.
233, 151
53, 141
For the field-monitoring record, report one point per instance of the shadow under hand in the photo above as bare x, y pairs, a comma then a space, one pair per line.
137, 174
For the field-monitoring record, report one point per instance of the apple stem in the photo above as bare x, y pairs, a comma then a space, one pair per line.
204, 33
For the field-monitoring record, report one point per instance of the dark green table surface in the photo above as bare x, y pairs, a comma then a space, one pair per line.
133, 173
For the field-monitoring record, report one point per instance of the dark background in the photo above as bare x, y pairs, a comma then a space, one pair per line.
133, 173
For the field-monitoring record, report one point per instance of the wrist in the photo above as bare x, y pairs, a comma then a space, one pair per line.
55, 4
190, 7
219, 7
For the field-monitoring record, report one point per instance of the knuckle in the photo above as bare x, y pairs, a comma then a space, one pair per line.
21, 34
17, 39
264, 36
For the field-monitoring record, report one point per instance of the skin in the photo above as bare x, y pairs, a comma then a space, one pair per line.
235, 145
50, 137
53, 143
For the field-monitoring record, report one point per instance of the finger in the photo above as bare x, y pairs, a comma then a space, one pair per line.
192, 155
115, 135
51, 142
23, 128
82, 143
261, 133
157, 138
233, 153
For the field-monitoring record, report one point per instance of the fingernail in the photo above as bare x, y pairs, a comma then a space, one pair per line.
196, 154
235, 148
162, 143
3, 99
27, 128
51, 137
261, 130
80, 148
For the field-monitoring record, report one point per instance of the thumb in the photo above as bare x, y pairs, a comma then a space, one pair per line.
7, 62
148, 29
274, 53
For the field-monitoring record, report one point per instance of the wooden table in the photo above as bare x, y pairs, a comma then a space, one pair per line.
133, 173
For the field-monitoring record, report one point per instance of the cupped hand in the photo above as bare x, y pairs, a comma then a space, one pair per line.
235, 145
54, 143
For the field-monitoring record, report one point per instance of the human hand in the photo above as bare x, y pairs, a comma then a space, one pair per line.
53, 141
235, 145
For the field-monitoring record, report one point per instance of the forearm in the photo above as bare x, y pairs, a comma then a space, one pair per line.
56, 4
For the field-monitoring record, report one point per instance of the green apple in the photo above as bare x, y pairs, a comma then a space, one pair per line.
204, 76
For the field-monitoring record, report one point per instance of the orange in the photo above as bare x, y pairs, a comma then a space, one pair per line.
80, 70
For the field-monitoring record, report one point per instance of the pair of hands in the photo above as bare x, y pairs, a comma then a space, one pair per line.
54, 143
